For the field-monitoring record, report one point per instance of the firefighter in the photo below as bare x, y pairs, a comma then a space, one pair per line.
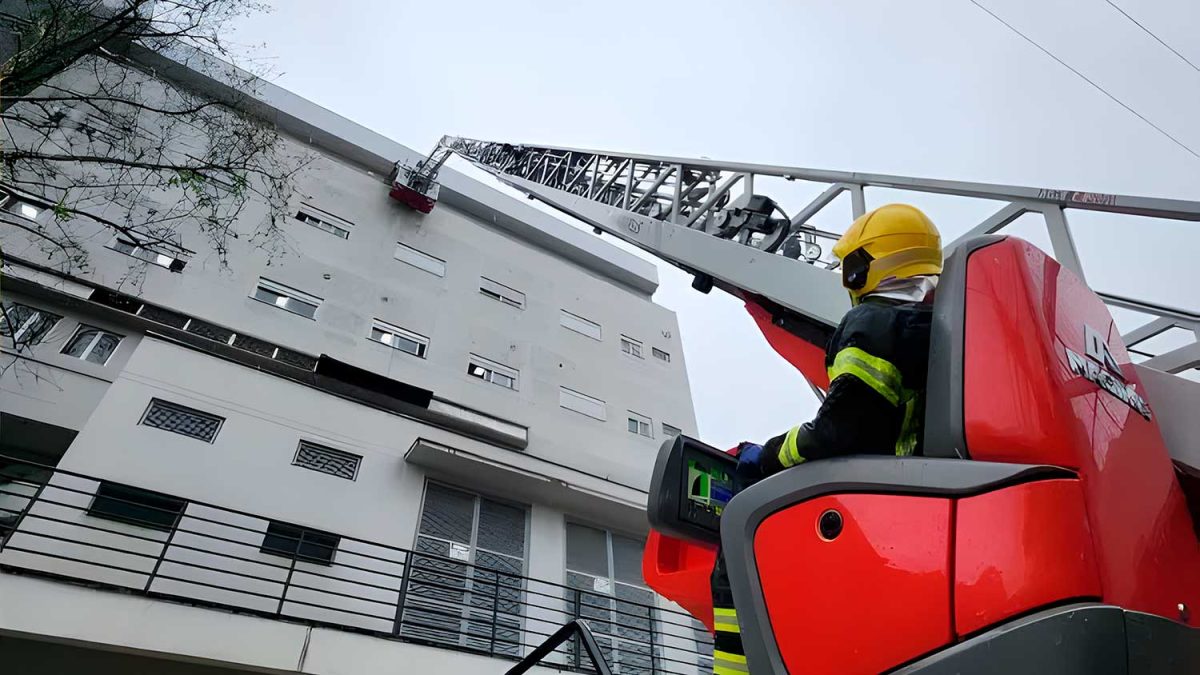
891, 258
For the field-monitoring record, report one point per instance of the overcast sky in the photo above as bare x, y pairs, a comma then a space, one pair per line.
934, 88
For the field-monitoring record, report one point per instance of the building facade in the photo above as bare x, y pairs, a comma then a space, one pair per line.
411, 443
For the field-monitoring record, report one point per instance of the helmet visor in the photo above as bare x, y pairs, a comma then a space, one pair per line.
855, 268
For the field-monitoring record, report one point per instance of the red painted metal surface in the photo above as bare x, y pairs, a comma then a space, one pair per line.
1023, 403
872, 598
1020, 548
411, 198
805, 356
680, 571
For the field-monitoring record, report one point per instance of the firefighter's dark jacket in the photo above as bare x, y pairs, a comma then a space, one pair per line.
877, 361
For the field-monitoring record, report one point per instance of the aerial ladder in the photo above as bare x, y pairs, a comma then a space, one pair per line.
1052, 523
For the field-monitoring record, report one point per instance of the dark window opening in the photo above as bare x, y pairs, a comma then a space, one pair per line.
301, 543
136, 506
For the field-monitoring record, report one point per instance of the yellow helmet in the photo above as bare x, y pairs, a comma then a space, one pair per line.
893, 241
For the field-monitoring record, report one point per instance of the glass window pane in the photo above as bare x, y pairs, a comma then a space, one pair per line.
103, 348
41, 324
501, 528
581, 403
404, 344
627, 560
82, 340
302, 308
633, 425
267, 296
579, 324
136, 506
448, 514
587, 550
15, 317
420, 260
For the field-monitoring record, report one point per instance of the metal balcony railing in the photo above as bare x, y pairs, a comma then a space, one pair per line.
71, 526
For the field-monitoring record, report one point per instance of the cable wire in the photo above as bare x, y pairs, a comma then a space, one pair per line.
1151, 34
1085, 78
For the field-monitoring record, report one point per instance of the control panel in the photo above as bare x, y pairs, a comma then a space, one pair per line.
691, 485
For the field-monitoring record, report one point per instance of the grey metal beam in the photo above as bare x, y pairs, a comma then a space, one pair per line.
1061, 240
1147, 331
1177, 360
1007, 214
663, 175
714, 198
858, 201
1092, 201
1183, 315
735, 266
822, 200
678, 199
803, 288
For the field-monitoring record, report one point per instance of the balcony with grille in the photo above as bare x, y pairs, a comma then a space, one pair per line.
71, 527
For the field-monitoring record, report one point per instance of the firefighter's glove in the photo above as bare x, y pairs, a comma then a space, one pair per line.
750, 467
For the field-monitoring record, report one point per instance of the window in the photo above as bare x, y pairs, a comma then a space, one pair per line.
493, 372
22, 208
398, 338
579, 324
25, 324
474, 556
640, 425
321, 220
182, 420
659, 354
582, 403
631, 347
136, 506
420, 260
148, 253
604, 573
327, 460
670, 431
502, 293
294, 301
92, 344
301, 543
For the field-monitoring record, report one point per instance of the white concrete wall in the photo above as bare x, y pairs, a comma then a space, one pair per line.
359, 280
133, 625
248, 466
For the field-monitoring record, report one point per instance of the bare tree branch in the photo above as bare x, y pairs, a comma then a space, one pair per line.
107, 147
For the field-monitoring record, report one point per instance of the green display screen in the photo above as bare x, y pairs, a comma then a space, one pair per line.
709, 486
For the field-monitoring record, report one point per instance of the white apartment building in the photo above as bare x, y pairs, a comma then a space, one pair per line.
413, 444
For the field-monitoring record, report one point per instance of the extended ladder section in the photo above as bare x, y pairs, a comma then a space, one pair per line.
715, 220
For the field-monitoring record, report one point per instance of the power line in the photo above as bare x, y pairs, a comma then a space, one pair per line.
1151, 34
1085, 78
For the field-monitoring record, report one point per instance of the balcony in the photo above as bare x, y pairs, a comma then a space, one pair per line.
75, 528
